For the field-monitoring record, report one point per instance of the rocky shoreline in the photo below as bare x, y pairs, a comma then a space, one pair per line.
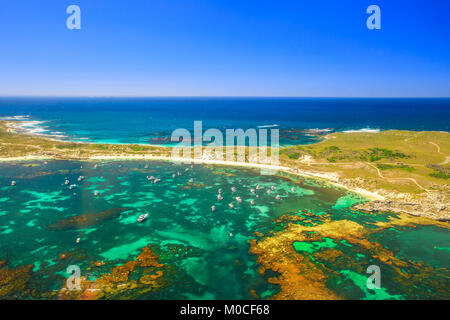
431, 204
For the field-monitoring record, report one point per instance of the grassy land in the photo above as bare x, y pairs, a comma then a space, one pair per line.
388, 160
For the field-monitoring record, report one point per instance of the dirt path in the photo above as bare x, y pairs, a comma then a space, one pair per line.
383, 177
447, 158
437, 146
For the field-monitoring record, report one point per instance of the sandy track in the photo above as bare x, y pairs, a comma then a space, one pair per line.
383, 177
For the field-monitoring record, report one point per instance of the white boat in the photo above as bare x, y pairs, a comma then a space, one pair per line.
142, 217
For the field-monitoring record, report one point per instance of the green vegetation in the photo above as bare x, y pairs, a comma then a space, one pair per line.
137, 148
375, 154
440, 172
383, 166
99, 146
440, 175
335, 154
294, 155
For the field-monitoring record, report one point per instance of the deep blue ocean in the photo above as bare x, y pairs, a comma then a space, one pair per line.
152, 120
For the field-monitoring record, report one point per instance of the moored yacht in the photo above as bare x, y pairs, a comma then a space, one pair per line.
142, 217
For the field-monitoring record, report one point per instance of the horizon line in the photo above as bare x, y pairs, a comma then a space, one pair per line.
225, 96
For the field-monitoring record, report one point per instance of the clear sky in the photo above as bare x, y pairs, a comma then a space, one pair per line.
225, 48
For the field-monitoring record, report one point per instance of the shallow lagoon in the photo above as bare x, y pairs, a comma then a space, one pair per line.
209, 251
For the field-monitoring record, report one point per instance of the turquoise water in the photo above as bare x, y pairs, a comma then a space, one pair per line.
179, 215
211, 260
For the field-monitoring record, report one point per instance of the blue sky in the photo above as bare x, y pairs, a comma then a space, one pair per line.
225, 48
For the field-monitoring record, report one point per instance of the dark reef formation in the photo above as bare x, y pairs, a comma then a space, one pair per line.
86, 220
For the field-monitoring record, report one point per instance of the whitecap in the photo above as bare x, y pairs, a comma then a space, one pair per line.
317, 130
14, 118
365, 130
268, 126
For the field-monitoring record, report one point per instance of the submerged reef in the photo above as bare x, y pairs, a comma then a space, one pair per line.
13, 281
86, 220
312, 261
141, 278
130, 280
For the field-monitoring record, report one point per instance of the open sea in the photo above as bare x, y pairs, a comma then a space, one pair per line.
152, 120
184, 249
